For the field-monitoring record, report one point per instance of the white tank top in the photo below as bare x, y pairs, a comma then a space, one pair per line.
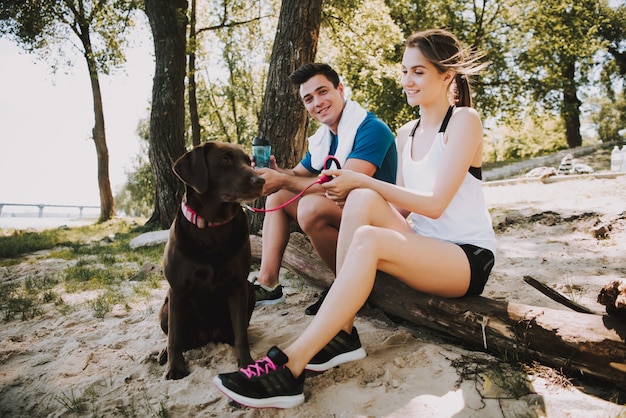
466, 219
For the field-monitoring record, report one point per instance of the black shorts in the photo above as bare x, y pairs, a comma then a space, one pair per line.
481, 262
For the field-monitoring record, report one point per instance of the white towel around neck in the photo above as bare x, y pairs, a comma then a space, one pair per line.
319, 143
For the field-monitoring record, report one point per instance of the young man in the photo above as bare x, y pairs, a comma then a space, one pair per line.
357, 138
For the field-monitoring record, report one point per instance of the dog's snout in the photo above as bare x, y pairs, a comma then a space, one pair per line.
257, 181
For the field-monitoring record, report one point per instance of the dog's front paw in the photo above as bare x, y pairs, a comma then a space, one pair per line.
244, 360
175, 373
162, 357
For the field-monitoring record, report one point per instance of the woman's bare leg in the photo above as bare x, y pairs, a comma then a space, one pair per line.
370, 240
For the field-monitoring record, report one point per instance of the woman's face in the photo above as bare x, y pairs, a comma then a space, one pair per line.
421, 81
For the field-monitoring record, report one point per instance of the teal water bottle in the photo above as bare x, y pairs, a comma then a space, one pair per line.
261, 151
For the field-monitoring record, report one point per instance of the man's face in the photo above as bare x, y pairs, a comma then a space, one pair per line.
323, 101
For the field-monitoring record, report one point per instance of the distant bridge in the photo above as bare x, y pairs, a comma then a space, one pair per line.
41, 207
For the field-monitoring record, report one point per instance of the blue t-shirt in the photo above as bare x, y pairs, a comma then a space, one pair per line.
375, 143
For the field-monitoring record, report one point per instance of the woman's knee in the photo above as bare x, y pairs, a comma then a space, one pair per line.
360, 201
365, 239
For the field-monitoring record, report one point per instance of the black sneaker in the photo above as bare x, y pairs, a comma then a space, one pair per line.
341, 349
312, 310
266, 296
265, 384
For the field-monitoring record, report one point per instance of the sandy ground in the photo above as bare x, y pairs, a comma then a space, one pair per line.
49, 364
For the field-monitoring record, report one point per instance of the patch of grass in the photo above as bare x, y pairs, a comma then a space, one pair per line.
103, 258
20, 305
132, 410
87, 276
25, 300
104, 303
514, 383
17, 301
162, 411
36, 284
72, 403
574, 292
81, 404
20, 243
493, 379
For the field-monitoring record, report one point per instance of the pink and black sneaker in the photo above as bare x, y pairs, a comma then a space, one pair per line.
267, 383
341, 349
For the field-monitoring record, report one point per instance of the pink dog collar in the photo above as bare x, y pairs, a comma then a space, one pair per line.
193, 217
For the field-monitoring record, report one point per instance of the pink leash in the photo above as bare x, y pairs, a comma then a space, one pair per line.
323, 179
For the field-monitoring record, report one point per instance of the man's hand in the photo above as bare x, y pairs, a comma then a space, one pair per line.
272, 177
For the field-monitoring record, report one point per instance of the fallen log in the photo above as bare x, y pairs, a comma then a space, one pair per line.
578, 344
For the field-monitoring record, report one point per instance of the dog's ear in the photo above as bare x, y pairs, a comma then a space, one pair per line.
192, 169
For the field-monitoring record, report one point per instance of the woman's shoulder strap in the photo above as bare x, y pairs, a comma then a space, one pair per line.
444, 124
412, 134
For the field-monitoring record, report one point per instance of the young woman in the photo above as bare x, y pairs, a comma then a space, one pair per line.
431, 230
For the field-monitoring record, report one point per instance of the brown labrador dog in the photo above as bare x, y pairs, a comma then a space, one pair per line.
207, 256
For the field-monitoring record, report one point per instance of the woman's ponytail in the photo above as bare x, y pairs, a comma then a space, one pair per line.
463, 95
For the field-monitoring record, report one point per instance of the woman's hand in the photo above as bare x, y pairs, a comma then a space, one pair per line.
342, 183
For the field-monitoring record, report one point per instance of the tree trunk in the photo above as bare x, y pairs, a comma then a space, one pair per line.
167, 119
578, 344
193, 101
570, 110
107, 205
283, 119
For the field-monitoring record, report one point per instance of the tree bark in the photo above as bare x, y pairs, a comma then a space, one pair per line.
193, 102
167, 119
283, 120
578, 344
570, 110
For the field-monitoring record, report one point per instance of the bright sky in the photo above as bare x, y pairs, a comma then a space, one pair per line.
46, 151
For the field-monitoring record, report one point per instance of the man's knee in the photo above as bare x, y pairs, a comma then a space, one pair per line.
276, 199
315, 212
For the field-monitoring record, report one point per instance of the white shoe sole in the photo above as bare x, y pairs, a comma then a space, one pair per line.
357, 354
270, 301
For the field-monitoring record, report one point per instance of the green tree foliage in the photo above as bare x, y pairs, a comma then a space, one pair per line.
520, 94
610, 117
137, 196
613, 31
558, 41
361, 41
48, 27
517, 139
233, 44
484, 26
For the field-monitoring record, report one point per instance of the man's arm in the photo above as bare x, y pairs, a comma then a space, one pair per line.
294, 180
360, 166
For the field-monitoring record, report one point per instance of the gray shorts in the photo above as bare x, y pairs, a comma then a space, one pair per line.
481, 262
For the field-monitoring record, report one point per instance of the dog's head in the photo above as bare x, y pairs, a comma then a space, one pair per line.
221, 170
